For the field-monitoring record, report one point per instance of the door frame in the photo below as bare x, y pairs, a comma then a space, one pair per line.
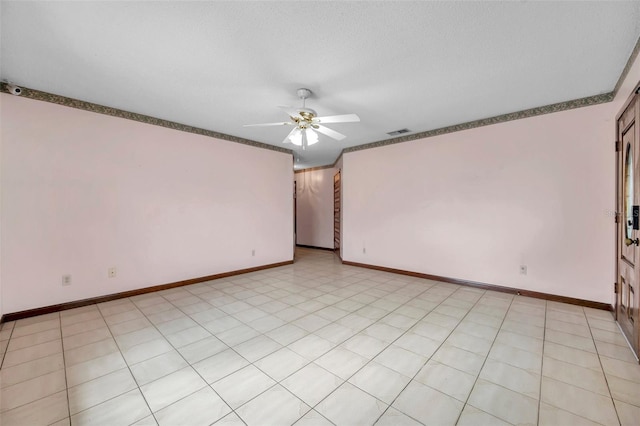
337, 212
619, 214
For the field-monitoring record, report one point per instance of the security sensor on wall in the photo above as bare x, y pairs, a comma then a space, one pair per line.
14, 90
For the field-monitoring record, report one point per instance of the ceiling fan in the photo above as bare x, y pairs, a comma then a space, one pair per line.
307, 123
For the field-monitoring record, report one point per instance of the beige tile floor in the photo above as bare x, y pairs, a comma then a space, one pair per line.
319, 343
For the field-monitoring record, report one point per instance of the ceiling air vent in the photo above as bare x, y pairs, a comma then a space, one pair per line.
398, 132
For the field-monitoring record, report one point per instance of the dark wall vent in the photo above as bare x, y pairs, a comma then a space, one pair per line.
398, 132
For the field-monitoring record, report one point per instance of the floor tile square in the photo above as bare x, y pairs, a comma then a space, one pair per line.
420, 345
622, 369
447, 380
220, 365
500, 402
287, 334
222, 324
364, 345
33, 339
266, 323
575, 375
97, 391
349, 405
516, 357
512, 378
311, 347
276, 406
401, 360
471, 416
237, 335
578, 401
571, 355
188, 336
380, 381
428, 405
460, 359
335, 333
281, 363
628, 414
31, 390
30, 370
341, 362
242, 386
469, 343
94, 368
553, 416
202, 349
313, 418
393, 417
44, 411
610, 350
202, 407
312, 383
257, 348
171, 388
146, 350
624, 390
157, 367
127, 408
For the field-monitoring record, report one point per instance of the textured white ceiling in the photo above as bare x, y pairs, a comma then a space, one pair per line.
416, 65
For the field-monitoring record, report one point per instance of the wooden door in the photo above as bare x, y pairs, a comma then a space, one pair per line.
628, 188
336, 212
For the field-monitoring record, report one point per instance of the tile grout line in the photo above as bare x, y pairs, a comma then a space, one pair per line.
544, 339
278, 382
6, 349
434, 352
606, 380
368, 362
466, 402
46, 396
64, 369
127, 364
565, 361
188, 363
333, 347
128, 367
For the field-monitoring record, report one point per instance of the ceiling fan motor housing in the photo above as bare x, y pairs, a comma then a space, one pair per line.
303, 93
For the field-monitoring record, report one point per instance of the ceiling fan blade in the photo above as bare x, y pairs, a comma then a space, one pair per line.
283, 123
346, 118
331, 133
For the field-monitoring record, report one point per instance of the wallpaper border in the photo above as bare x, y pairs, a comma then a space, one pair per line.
115, 112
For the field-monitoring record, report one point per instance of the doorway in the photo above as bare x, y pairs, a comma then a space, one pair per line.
336, 212
628, 222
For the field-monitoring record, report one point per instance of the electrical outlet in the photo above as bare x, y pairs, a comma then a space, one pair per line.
112, 272
253, 252
364, 250
66, 280
523, 269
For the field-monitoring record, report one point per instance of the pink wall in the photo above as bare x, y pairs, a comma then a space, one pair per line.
477, 204
315, 207
83, 192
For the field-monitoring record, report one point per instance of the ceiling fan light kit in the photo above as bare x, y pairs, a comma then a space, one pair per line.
307, 123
